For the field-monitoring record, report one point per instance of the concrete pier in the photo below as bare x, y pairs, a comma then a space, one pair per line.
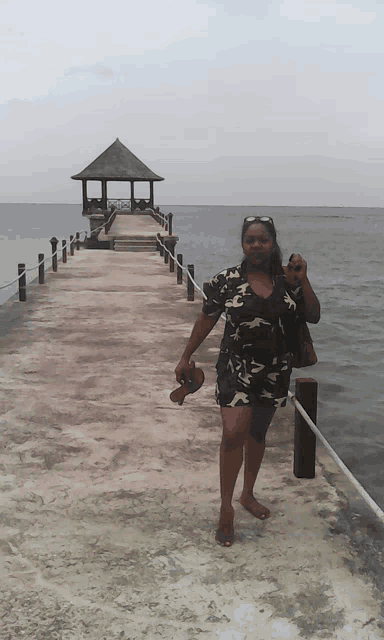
110, 492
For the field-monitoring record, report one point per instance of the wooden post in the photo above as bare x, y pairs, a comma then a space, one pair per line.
22, 283
54, 242
190, 285
151, 193
170, 223
157, 242
305, 439
161, 247
171, 258
205, 289
179, 269
77, 240
41, 268
166, 244
71, 245
64, 246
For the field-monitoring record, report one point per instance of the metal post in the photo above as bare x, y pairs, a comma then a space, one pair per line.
166, 244
22, 282
54, 242
71, 245
170, 223
41, 268
77, 240
190, 285
171, 257
179, 269
305, 439
64, 246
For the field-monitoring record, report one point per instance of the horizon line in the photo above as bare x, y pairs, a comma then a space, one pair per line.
318, 206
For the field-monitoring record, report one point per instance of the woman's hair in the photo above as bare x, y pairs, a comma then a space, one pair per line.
276, 257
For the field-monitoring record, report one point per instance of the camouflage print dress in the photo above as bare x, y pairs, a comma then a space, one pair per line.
254, 364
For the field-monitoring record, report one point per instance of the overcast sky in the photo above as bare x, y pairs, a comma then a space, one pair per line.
248, 102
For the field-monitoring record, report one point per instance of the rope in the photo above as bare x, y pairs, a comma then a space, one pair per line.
4, 286
350, 476
102, 225
188, 274
374, 506
158, 213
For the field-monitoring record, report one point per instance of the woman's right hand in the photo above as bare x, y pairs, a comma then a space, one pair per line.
184, 369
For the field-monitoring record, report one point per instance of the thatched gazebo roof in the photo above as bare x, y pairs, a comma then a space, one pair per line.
117, 163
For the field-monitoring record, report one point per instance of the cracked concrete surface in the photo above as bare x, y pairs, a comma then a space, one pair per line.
110, 492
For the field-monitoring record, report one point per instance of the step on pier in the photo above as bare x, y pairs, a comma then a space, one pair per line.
135, 244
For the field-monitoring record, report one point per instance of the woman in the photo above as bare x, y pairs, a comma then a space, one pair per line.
262, 301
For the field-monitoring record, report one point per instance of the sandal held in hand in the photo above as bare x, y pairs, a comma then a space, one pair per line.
197, 379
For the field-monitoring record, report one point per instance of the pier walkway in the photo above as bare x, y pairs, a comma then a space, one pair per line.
110, 492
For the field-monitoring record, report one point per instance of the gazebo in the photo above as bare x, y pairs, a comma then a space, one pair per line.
117, 163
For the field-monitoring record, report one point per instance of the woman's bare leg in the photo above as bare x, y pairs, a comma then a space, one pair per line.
236, 422
254, 452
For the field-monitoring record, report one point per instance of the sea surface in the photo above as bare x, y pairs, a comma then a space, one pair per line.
344, 249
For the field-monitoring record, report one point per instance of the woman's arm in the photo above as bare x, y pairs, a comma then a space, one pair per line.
202, 327
312, 305
296, 270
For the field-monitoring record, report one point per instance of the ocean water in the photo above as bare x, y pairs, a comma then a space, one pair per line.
344, 249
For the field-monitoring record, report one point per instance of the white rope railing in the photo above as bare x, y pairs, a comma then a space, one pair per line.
4, 286
103, 224
374, 506
158, 213
8, 284
350, 476
188, 274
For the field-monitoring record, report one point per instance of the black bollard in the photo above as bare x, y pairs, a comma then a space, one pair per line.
166, 254
171, 257
71, 246
54, 242
77, 240
190, 285
161, 245
179, 269
22, 282
64, 246
170, 223
305, 439
41, 268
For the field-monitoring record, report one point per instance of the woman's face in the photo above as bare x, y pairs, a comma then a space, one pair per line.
257, 244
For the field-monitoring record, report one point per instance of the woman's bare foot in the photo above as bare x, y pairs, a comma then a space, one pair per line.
258, 510
225, 533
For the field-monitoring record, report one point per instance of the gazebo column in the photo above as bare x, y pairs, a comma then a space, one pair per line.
85, 199
132, 195
104, 195
151, 194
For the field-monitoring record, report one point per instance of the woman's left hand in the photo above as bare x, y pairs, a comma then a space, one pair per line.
296, 268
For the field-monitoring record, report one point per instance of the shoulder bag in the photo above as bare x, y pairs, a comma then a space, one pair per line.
305, 356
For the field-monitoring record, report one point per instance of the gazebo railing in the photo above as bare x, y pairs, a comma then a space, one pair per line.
125, 204
121, 204
142, 204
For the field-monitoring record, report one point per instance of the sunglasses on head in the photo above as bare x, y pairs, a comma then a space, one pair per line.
259, 219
